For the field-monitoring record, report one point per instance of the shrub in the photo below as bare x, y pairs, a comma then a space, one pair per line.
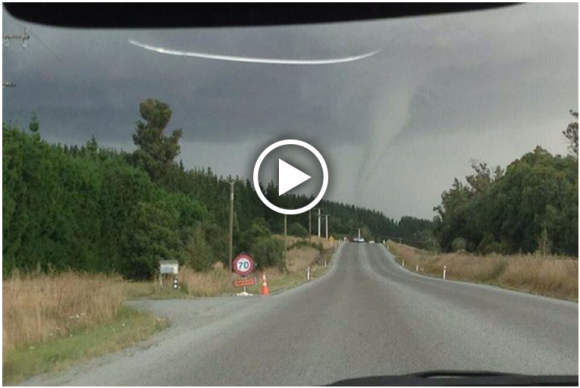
197, 251
218, 242
268, 252
150, 236
296, 229
459, 244
306, 243
259, 229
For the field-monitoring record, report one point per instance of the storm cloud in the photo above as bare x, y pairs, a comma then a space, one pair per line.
395, 127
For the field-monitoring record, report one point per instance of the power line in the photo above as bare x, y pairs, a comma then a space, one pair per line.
44, 45
17, 54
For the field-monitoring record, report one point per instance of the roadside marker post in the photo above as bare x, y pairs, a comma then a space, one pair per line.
403, 263
444, 271
308, 273
417, 268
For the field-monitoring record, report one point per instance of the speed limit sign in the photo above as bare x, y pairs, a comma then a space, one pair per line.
243, 264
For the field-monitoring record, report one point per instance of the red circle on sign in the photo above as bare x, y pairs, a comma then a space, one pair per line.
243, 264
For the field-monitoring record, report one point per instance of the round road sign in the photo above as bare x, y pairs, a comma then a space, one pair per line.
243, 264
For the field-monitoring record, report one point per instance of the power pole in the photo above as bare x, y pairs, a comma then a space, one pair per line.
309, 225
326, 226
6, 38
285, 242
232, 182
318, 222
24, 38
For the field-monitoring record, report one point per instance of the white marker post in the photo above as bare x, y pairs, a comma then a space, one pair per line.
444, 271
403, 263
308, 273
417, 268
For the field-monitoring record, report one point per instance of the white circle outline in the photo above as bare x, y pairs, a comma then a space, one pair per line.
298, 143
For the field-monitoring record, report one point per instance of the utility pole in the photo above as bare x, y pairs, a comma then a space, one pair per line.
6, 38
359, 233
318, 222
310, 225
24, 38
232, 182
326, 226
285, 242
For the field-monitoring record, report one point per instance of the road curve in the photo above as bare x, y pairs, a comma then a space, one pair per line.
367, 316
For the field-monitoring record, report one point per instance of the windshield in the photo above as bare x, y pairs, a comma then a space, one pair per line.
291, 205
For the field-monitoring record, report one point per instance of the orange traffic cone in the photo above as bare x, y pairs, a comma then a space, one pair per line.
265, 290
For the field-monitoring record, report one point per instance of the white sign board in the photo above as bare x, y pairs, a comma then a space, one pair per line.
168, 267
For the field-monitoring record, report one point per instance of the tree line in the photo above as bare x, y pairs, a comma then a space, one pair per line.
100, 210
531, 206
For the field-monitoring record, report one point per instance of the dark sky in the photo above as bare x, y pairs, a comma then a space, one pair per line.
395, 128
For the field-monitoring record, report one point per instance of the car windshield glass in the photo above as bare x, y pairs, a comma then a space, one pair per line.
291, 205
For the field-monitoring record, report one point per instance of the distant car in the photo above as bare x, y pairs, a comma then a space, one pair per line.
372, 242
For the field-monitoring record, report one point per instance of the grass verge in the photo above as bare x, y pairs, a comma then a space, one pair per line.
552, 276
126, 328
218, 281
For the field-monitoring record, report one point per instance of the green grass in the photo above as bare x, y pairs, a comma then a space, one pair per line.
127, 328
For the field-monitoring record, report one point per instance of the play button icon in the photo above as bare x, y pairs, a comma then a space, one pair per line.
290, 177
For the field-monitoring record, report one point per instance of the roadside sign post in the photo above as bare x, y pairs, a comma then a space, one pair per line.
169, 269
243, 265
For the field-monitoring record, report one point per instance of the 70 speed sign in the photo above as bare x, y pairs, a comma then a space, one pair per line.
243, 264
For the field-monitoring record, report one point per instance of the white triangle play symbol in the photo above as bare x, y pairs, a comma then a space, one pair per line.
289, 177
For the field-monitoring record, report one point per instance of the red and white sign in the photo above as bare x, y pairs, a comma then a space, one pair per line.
245, 282
243, 264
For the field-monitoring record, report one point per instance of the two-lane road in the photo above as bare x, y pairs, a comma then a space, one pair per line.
367, 316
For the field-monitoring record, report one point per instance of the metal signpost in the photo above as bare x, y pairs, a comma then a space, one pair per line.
243, 265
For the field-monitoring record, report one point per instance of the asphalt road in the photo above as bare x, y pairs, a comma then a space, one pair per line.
367, 316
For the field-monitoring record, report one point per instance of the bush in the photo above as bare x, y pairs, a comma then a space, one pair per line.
197, 251
268, 252
218, 242
149, 237
306, 243
488, 244
459, 244
296, 229
493, 247
259, 229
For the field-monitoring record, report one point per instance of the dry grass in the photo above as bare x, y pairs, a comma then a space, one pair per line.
326, 244
218, 281
211, 283
126, 328
300, 258
37, 307
553, 276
